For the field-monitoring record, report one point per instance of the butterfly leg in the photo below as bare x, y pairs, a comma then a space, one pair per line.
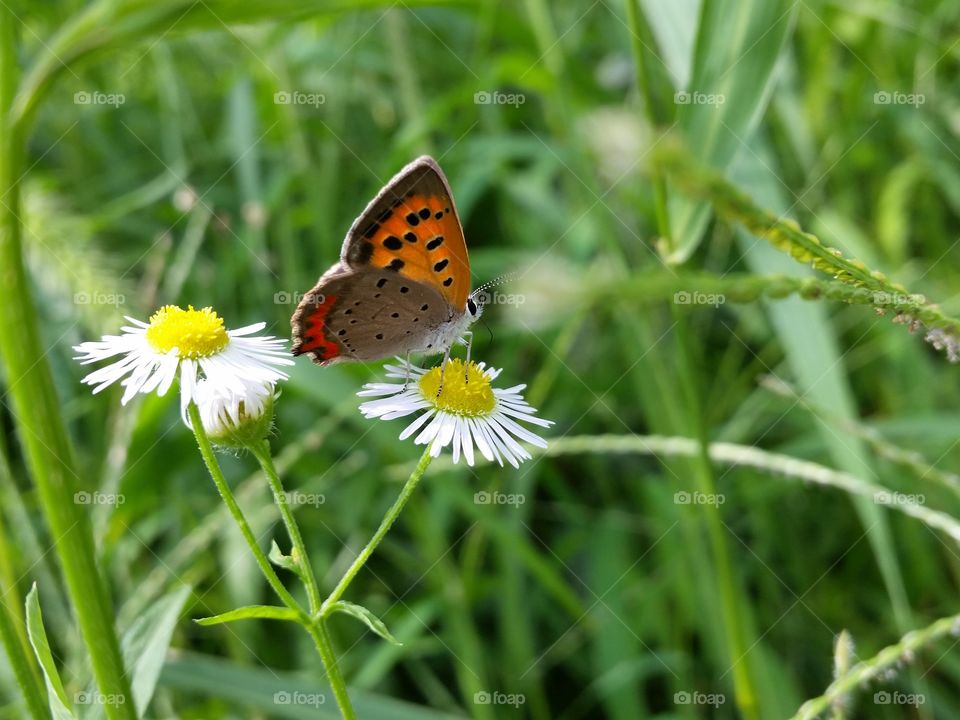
406, 380
443, 367
469, 343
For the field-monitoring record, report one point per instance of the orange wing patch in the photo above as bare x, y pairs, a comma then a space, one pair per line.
420, 238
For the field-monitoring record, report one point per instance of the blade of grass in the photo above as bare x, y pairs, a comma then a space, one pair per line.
36, 407
737, 47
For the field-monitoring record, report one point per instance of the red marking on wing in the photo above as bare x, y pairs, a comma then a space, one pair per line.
314, 332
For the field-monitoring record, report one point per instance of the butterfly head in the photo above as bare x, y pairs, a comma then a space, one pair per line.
481, 297
476, 302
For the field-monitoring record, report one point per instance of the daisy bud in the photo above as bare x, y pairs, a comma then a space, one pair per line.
235, 420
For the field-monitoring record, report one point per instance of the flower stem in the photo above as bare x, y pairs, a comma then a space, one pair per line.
321, 637
314, 625
385, 524
262, 452
206, 451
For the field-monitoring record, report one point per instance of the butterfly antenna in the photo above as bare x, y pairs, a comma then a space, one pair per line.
499, 280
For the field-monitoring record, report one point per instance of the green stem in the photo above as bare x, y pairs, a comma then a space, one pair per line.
385, 525
206, 451
36, 408
321, 637
262, 453
314, 625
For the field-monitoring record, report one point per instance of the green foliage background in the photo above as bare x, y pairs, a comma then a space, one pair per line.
601, 596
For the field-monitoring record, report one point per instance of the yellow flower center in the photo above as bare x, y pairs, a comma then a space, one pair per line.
466, 394
195, 333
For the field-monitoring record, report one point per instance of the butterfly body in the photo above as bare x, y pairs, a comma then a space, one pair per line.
402, 284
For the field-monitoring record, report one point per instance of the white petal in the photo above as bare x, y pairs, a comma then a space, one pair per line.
445, 434
430, 431
466, 440
188, 381
479, 438
456, 439
416, 424
247, 329
520, 431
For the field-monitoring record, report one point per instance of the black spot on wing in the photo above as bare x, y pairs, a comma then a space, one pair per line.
395, 265
392, 243
435, 243
441, 265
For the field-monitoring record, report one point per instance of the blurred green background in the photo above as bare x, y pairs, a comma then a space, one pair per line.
211, 154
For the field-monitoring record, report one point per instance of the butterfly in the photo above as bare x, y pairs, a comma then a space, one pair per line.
402, 284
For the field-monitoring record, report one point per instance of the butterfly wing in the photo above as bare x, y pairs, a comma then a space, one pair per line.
404, 262
412, 228
366, 315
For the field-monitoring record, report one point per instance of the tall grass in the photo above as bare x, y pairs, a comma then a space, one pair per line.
733, 228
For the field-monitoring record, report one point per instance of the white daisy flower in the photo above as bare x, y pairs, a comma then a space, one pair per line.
468, 411
194, 342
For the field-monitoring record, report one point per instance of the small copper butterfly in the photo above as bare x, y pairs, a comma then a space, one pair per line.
402, 284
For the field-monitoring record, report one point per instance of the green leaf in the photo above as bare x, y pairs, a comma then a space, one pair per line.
145, 645
366, 617
59, 705
737, 48
287, 562
265, 612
